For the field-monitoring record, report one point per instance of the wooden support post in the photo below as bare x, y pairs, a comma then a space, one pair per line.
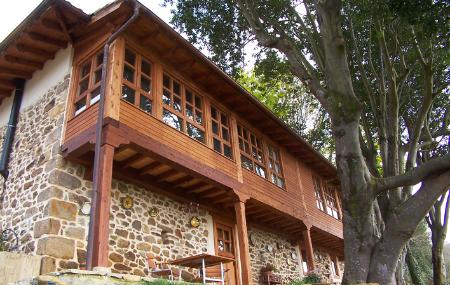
309, 249
113, 91
101, 219
338, 268
244, 251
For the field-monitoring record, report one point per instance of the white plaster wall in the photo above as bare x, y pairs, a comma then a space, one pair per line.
210, 249
52, 73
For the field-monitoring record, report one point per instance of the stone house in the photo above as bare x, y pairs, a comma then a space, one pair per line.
187, 161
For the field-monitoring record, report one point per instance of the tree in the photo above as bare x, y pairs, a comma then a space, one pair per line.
418, 257
379, 70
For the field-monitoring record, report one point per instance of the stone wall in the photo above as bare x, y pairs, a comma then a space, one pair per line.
280, 257
323, 265
134, 233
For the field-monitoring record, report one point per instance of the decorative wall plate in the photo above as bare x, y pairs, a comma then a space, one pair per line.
127, 202
195, 222
251, 239
153, 212
269, 248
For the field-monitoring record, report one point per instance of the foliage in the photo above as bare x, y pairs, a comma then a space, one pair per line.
380, 72
311, 278
166, 282
420, 249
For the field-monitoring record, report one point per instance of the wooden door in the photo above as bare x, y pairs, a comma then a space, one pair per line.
225, 246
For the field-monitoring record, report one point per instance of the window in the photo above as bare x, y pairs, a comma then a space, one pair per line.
221, 132
137, 81
326, 198
275, 170
183, 109
304, 262
224, 240
252, 155
88, 87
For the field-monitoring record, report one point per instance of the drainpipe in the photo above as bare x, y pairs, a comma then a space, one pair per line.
99, 131
11, 128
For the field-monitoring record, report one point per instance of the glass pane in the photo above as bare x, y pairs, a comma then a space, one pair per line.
214, 113
260, 171
224, 120
145, 84
98, 75
189, 96
127, 94
146, 104
225, 134
176, 87
274, 179
130, 57
277, 168
199, 117
146, 68
83, 86
95, 95
195, 133
215, 128
99, 59
172, 120
177, 104
85, 69
246, 163
198, 102
227, 151
166, 97
80, 106
221, 246
128, 73
189, 112
217, 145
166, 81
280, 182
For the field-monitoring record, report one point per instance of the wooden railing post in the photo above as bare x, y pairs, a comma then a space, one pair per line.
244, 251
309, 249
101, 219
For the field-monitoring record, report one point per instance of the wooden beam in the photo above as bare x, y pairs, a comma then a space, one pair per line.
150, 167
182, 180
47, 40
101, 218
244, 249
132, 160
51, 24
6, 84
35, 51
215, 193
15, 72
309, 249
24, 61
166, 174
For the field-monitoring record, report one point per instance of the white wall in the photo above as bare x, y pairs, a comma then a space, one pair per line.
211, 248
41, 81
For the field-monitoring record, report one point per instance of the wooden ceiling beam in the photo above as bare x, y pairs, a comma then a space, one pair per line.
132, 160
146, 169
7, 84
36, 51
52, 25
197, 189
13, 72
166, 174
151, 36
181, 180
24, 61
47, 40
215, 193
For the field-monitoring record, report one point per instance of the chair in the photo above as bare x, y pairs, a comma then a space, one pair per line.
156, 269
214, 275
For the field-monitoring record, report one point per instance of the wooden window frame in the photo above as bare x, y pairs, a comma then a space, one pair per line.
136, 86
245, 136
86, 95
232, 253
326, 198
220, 126
274, 158
182, 114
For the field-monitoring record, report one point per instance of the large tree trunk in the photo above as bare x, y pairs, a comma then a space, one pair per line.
438, 259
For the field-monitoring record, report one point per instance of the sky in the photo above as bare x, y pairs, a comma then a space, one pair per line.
12, 13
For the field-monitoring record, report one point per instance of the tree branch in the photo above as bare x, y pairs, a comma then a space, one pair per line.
415, 175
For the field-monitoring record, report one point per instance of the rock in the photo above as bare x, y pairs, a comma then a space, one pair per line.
75, 232
122, 233
123, 243
62, 209
130, 256
58, 247
136, 225
47, 226
144, 246
121, 267
49, 192
64, 179
68, 264
48, 264
138, 272
114, 257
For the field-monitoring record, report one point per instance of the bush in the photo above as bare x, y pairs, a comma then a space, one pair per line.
311, 278
165, 282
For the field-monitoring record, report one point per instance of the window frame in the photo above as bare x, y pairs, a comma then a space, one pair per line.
136, 86
245, 135
94, 67
219, 137
271, 170
182, 114
327, 198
